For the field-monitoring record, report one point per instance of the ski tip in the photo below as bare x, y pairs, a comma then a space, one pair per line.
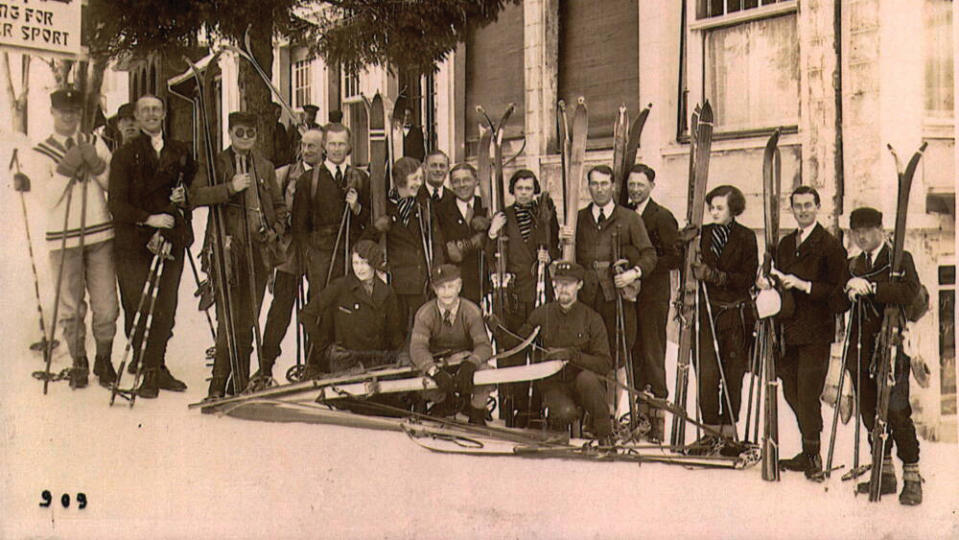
480, 109
581, 100
649, 105
561, 104
922, 147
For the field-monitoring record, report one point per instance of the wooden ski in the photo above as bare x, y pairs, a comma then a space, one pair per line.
575, 177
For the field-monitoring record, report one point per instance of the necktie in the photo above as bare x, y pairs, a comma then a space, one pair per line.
720, 236
436, 195
368, 285
469, 213
339, 176
447, 318
631, 205
70, 143
601, 218
868, 261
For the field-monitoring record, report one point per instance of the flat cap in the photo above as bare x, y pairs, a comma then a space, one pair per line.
443, 273
865, 217
567, 270
242, 118
125, 111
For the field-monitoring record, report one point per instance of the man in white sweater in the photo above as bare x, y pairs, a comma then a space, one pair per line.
69, 173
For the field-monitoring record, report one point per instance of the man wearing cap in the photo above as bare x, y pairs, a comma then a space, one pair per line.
356, 320
331, 209
414, 241
464, 222
572, 331
124, 126
70, 175
605, 277
148, 179
809, 263
309, 112
254, 215
448, 325
870, 288
652, 303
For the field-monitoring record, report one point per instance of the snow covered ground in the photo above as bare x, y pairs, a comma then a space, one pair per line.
162, 471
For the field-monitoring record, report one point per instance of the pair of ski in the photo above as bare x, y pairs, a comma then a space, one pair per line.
384, 380
492, 187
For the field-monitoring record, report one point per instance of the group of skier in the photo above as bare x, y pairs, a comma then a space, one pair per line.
414, 284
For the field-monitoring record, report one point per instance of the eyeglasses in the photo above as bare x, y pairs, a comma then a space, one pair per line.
247, 133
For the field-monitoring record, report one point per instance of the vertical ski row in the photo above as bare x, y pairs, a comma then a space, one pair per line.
766, 338
574, 175
700, 142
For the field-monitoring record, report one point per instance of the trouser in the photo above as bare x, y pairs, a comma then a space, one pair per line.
477, 399
803, 372
733, 359
607, 310
562, 394
649, 351
516, 396
318, 267
244, 316
133, 269
285, 288
92, 272
899, 414
408, 304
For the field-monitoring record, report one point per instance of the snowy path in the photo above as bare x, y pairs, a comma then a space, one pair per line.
161, 471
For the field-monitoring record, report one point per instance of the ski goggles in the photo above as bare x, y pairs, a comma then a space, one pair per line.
245, 133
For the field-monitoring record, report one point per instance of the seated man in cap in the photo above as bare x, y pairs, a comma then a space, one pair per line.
254, 215
443, 327
870, 288
572, 331
356, 320
70, 174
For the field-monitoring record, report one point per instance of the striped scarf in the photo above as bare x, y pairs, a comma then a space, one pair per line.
525, 218
404, 208
720, 237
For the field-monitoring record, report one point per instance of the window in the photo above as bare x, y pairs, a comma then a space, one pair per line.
751, 73
301, 76
718, 8
351, 84
939, 68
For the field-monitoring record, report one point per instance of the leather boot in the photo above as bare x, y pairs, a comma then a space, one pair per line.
477, 416
166, 381
911, 485
103, 369
657, 426
217, 388
148, 386
79, 373
799, 462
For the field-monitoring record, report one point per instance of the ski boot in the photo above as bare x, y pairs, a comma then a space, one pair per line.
103, 369
887, 481
657, 426
166, 381
262, 378
149, 387
798, 463
477, 416
911, 485
813, 470
79, 373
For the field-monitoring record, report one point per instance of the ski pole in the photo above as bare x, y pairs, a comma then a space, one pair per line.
15, 162
719, 363
164, 253
251, 263
48, 349
835, 414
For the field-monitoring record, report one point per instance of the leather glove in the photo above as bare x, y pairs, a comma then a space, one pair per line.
444, 380
455, 250
21, 182
687, 234
480, 223
704, 272
464, 378
71, 163
382, 224
340, 358
94, 164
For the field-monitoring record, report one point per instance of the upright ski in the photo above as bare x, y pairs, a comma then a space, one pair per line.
497, 203
700, 136
889, 340
767, 335
378, 157
575, 174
